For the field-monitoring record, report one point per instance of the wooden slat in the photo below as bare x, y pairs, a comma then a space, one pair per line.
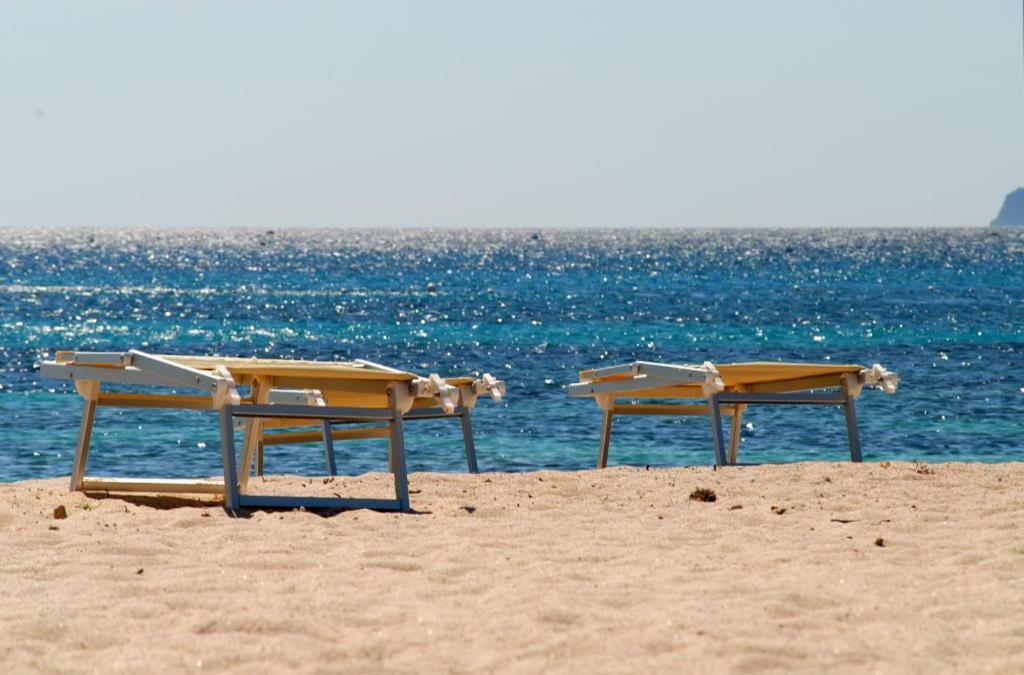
681, 391
785, 398
117, 399
92, 484
317, 436
334, 388
734, 374
667, 409
769, 373
319, 370
426, 403
660, 409
829, 381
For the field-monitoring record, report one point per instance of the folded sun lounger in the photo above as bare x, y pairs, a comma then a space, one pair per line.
281, 393
727, 388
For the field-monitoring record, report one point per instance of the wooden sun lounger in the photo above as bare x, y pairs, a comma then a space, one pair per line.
282, 393
729, 389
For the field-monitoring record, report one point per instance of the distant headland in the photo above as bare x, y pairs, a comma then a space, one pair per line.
1012, 212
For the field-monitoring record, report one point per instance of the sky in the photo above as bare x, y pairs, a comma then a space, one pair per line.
526, 114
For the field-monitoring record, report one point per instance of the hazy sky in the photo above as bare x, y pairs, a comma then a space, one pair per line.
650, 114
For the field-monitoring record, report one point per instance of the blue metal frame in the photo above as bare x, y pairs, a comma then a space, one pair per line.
235, 499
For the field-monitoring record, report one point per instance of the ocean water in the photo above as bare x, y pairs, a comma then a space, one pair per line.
944, 308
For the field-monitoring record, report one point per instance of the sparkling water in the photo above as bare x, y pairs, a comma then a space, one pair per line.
943, 308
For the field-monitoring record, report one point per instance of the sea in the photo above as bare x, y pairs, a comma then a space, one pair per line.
944, 308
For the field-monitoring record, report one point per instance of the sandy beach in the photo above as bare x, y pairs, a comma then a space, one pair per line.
850, 568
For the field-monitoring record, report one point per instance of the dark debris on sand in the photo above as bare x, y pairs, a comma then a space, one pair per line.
703, 495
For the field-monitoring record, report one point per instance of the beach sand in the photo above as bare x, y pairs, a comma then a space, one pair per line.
803, 567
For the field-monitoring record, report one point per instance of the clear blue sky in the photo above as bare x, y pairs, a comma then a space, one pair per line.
714, 114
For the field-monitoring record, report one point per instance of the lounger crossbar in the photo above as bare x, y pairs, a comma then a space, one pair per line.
727, 389
282, 393
361, 433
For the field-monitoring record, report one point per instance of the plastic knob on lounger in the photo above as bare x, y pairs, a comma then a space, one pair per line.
443, 392
885, 380
493, 386
712, 380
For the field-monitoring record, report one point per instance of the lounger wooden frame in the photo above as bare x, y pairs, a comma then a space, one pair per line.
368, 393
727, 391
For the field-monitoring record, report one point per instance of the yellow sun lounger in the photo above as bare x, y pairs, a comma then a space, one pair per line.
282, 393
727, 388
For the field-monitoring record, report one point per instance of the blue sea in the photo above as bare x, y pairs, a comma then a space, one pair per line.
943, 307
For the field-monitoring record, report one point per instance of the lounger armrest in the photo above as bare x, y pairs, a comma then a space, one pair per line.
639, 375
138, 368
681, 374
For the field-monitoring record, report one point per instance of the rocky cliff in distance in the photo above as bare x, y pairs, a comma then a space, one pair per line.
1012, 212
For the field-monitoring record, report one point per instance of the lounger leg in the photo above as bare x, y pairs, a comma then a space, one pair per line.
606, 439
735, 429
851, 428
715, 412
252, 443
396, 455
391, 450
332, 466
467, 437
82, 449
227, 450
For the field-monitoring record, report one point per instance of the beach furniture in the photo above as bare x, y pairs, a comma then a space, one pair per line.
726, 389
319, 401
